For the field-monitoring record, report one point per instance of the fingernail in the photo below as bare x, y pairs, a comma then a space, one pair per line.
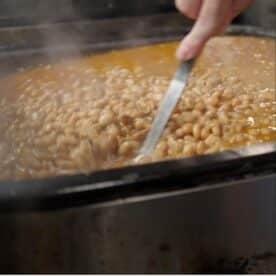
184, 53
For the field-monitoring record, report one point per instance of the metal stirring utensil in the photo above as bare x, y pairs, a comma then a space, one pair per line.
166, 108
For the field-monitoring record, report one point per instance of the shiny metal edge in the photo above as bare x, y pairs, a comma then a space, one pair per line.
176, 193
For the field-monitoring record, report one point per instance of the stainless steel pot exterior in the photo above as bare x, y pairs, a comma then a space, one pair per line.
165, 233
170, 232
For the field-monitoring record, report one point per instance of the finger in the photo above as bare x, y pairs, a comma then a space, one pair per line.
213, 18
190, 8
239, 6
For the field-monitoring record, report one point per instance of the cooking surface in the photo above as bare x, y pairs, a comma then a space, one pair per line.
94, 112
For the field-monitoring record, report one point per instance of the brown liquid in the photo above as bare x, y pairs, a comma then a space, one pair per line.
131, 83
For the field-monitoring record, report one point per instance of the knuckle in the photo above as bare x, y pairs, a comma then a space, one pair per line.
186, 7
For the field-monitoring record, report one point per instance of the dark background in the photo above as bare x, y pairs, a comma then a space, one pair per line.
29, 11
21, 12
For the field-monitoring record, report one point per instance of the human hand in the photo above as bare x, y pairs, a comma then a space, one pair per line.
212, 17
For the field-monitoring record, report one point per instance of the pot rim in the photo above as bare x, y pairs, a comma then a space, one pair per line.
107, 185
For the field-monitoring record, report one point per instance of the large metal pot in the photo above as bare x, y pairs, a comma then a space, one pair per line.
174, 216
171, 232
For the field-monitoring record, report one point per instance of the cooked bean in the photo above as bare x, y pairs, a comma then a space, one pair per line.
197, 114
106, 118
211, 114
113, 130
200, 147
185, 117
174, 147
211, 140
179, 133
161, 149
100, 116
216, 129
213, 101
186, 129
189, 149
197, 131
189, 138
200, 106
111, 144
127, 148
205, 132
140, 124
49, 139
223, 119
214, 148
